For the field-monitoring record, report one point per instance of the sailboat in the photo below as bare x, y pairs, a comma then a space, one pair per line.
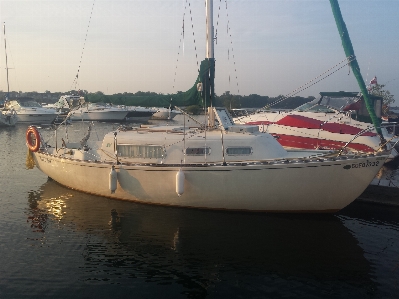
25, 110
215, 165
8, 116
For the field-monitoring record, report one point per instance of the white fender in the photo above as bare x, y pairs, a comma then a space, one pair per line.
113, 179
180, 182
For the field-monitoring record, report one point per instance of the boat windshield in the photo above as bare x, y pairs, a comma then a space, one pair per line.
30, 104
314, 107
238, 112
327, 104
337, 103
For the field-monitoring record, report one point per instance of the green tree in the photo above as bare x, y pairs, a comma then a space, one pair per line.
387, 97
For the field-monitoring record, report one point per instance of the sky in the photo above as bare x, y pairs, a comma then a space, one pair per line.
264, 47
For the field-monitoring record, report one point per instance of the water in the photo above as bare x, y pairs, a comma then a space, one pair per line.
58, 243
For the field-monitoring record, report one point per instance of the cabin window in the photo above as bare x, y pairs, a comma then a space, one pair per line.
198, 151
239, 151
140, 151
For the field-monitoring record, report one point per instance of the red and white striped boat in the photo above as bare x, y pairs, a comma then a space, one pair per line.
325, 123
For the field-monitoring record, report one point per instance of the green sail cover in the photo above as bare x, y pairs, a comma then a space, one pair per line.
207, 77
188, 98
349, 52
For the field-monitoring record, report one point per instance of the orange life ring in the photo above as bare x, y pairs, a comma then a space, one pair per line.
33, 143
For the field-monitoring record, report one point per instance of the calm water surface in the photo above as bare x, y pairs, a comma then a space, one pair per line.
58, 243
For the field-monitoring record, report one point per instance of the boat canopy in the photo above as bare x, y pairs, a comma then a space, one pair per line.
331, 102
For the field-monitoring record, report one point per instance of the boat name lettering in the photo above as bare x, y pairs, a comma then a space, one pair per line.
46, 160
365, 164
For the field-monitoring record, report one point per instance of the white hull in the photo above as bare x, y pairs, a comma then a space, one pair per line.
164, 115
282, 187
100, 115
36, 118
31, 112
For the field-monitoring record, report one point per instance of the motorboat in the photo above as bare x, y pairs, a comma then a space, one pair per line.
328, 122
214, 165
31, 112
74, 108
165, 113
97, 112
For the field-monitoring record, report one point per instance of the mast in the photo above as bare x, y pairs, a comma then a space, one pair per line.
208, 64
350, 54
5, 47
209, 30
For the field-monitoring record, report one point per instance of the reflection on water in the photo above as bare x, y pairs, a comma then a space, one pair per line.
376, 227
199, 253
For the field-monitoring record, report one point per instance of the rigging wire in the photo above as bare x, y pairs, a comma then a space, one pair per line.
181, 47
75, 80
230, 49
312, 82
307, 85
181, 42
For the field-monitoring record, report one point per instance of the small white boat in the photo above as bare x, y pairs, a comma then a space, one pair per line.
165, 113
100, 111
31, 112
97, 112
74, 108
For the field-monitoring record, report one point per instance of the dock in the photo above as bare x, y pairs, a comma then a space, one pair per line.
381, 191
